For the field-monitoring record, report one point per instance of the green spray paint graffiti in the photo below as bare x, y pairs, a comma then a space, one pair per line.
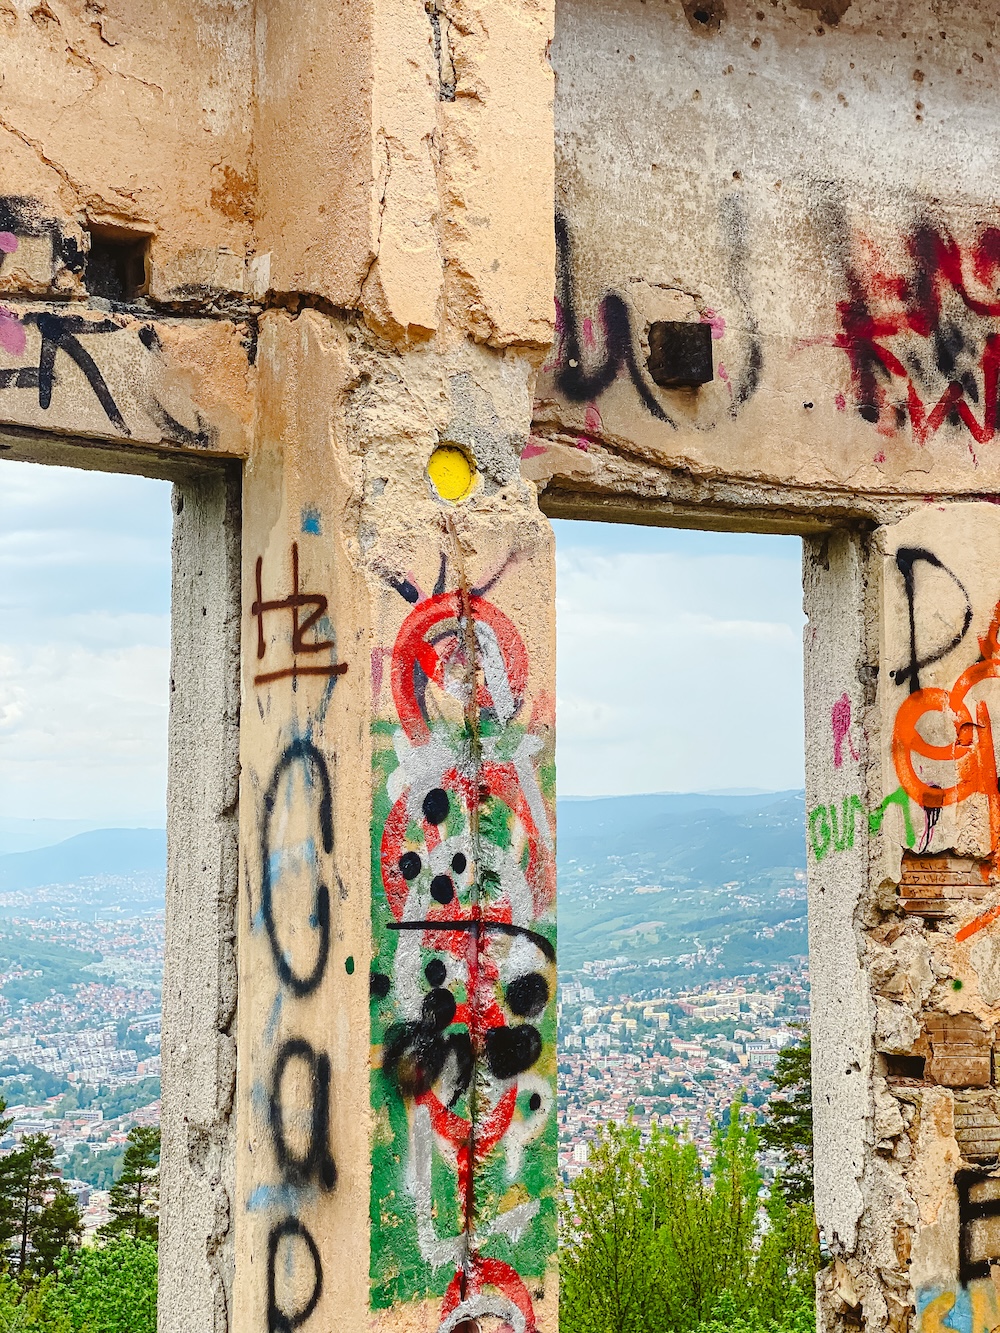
833, 830
463, 974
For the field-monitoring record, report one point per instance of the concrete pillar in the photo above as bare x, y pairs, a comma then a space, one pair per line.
904, 833
396, 1156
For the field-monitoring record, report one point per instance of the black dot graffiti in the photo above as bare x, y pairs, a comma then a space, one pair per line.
510, 1051
436, 806
534, 1102
528, 995
436, 972
458, 863
409, 865
280, 1320
305, 753
316, 1163
442, 889
378, 985
415, 1054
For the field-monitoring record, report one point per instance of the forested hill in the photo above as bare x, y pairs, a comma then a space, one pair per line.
101, 854
706, 882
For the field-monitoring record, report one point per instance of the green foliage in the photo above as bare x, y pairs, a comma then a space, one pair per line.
654, 1240
106, 1289
789, 1124
98, 1168
43, 1216
135, 1194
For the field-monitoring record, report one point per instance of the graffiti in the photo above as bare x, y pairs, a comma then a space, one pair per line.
907, 559
576, 384
978, 1200
840, 721
958, 1309
22, 216
299, 1073
922, 344
970, 747
293, 603
61, 333
317, 1161
831, 829
463, 977
280, 1320
582, 372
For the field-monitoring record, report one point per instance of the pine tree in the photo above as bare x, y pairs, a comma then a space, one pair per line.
34, 1184
789, 1124
58, 1227
8, 1217
135, 1194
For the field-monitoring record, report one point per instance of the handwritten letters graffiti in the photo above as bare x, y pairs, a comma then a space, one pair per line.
295, 602
298, 1090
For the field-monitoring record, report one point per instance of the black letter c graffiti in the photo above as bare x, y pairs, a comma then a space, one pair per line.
299, 752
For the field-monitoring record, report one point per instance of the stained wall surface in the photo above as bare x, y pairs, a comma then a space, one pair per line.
379, 291
793, 176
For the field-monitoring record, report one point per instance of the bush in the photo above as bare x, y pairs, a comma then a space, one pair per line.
106, 1289
656, 1239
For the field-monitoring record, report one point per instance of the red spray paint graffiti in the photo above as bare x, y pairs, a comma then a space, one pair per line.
465, 973
923, 344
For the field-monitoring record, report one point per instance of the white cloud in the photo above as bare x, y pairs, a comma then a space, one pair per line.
84, 645
677, 670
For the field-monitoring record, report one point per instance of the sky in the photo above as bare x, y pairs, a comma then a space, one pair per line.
679, 654
84, 646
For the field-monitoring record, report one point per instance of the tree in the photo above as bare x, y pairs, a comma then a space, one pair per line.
656, 1238
59, 1226
44, 1212
104, 1289
789, 1124
135, 1194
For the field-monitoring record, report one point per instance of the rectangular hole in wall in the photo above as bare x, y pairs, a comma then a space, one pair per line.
116, 264
104, 637
904, 1066
682, 860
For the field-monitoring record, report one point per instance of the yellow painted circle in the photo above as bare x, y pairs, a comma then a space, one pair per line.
451, 472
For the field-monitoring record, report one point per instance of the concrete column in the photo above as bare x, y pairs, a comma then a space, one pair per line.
904, 834
396, 1103
199, 976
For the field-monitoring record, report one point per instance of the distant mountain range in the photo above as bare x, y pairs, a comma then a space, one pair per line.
713, 875
120, 853
714, 878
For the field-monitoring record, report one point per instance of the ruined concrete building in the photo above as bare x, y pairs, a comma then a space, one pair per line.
301, 260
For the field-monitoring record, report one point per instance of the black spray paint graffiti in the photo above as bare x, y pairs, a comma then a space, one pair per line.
301, 752
317, 1161
622, 355
907, 557
280, 1320
970, 1211
311, 1164
62, 333
576, 384
23, 216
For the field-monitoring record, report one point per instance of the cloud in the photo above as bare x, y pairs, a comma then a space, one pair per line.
679, 669
679, 653
84, 645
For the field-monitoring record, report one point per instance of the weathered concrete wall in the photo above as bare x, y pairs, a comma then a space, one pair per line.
199, 981
343, 217
792, 176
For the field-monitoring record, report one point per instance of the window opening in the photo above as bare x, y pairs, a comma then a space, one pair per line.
84, 681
